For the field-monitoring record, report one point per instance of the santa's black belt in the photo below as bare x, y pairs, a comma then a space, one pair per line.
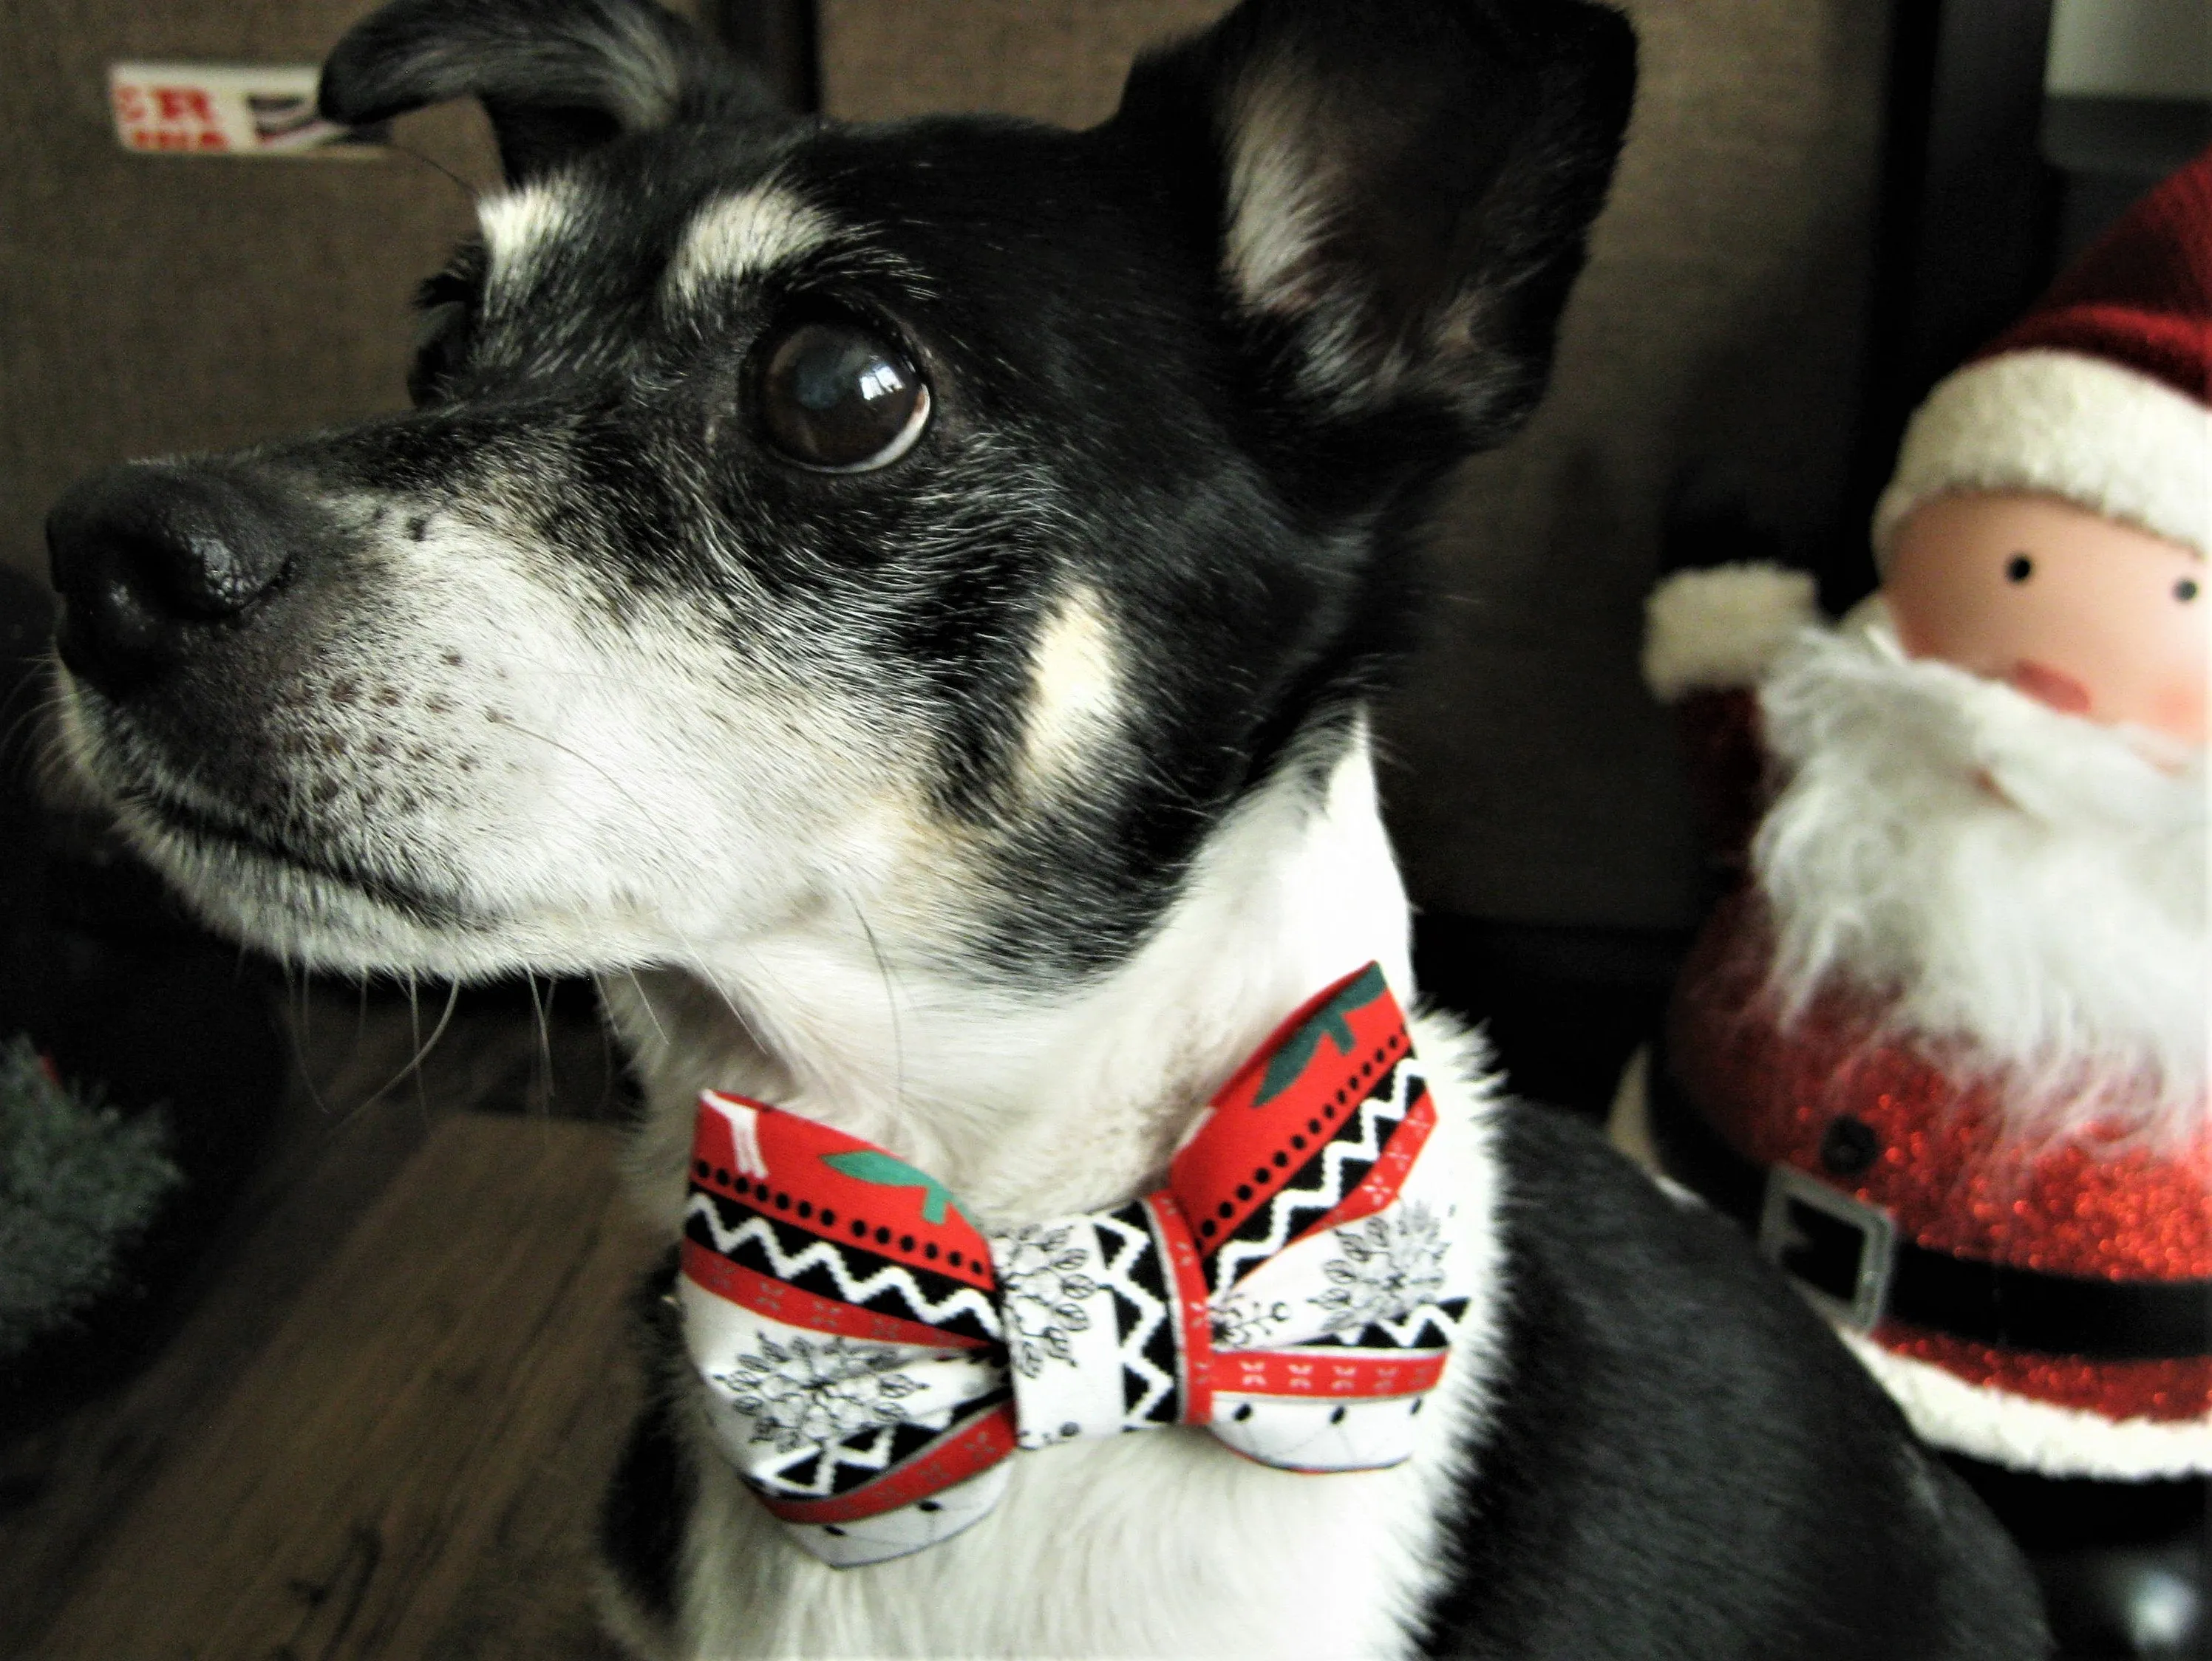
1847, 1255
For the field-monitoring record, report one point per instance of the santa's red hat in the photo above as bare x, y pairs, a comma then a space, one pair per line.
2102, 394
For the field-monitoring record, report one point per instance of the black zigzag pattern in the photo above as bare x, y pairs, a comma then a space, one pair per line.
1430, 1327
831, 1269
825, 1471
1320, 1184
1144, 1314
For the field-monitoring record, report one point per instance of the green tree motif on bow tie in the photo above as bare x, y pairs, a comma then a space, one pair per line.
1288, 1065
879, 1169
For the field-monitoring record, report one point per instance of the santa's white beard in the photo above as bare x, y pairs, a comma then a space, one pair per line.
2024, 891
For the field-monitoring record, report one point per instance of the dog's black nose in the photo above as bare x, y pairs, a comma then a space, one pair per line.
146, 557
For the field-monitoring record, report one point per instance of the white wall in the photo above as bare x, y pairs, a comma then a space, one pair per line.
2131, 48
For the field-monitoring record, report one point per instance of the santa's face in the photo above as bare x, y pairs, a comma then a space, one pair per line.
2090, 616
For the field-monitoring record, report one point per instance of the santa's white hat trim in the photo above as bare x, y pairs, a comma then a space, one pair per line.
2023, 1434
2119, 443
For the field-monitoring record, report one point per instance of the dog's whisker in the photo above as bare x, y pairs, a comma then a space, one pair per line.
890, 998
542, 1061
644, 1003
422, 1048
414, 1031
471, 192
300, 1036
44, 703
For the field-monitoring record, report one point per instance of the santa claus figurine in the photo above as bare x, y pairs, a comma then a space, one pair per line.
1944, 1047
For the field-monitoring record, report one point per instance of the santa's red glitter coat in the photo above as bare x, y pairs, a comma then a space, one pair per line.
2100, 1202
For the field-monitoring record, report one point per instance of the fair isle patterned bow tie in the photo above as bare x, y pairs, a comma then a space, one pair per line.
872, 1359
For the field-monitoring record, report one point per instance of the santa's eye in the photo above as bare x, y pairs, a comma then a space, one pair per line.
2018, 567
2186, 590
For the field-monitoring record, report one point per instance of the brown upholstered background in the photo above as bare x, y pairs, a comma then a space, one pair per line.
155, 304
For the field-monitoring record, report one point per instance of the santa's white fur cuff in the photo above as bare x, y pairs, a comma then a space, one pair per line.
2121, 443
1721, 628
2023, 1434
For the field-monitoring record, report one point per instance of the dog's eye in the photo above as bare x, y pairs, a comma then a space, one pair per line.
836, 398
441, 338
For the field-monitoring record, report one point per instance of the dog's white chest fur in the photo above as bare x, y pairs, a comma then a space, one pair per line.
1159, 1542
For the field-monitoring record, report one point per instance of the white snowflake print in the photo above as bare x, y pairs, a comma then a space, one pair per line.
798, 1395
1245, 1323
1043, 1295
1388, 1269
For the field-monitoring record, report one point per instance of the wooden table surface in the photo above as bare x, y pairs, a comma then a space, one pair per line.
381, 1432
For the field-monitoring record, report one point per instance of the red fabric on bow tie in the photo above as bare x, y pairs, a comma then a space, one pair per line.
872, 1357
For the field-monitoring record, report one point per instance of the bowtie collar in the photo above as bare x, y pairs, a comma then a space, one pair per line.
872, 1359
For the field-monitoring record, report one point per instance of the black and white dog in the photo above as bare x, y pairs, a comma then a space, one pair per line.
898, 605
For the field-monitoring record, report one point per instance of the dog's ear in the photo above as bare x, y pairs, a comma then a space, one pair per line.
1403, 187
555, 76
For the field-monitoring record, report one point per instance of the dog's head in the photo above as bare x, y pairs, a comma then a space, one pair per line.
957, 513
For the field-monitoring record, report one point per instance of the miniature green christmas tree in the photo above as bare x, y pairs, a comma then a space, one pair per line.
80, 1182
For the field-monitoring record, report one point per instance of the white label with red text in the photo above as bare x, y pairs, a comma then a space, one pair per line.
226, 109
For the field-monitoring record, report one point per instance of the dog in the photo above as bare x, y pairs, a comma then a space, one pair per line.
899, 604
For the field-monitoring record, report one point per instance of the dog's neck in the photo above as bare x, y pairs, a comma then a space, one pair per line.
1033, 1105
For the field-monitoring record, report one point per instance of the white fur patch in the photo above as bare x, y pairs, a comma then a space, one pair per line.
520, 224
1721, 628
2023, 1434
2025, 889
2116, 442
1075, 695
741, 236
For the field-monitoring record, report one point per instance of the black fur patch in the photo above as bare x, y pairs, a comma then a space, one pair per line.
641, 1518
1658, 1486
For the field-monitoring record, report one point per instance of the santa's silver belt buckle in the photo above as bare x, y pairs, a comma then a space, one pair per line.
1839, 1250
